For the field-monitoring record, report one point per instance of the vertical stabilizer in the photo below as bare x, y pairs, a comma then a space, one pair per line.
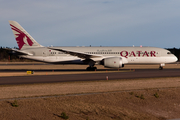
23, 39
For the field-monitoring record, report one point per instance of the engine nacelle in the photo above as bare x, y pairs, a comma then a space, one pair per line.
113, 62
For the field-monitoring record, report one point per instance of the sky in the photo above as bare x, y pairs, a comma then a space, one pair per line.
93, 22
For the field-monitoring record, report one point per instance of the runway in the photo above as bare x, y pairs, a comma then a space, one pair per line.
115, 75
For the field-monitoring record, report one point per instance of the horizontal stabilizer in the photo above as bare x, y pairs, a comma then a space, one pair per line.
20, 52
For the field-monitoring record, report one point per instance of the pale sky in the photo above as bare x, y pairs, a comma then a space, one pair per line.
93, 22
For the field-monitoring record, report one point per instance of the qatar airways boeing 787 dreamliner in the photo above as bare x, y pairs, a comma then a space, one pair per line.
111, 57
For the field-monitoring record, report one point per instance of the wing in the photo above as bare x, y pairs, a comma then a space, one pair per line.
78, 54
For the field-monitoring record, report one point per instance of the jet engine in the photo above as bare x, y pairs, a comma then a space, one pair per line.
113, 62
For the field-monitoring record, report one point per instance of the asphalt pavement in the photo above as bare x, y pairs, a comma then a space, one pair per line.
113, 75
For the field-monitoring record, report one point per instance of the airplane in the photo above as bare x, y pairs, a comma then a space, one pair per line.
110, 57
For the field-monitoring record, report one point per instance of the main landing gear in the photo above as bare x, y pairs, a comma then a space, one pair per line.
91, 68
91, 65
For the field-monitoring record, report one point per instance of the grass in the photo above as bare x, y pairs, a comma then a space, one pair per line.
156, 95
14, 104
141, 96
64, 116
131, 93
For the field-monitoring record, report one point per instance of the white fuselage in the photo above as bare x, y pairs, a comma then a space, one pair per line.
130, 55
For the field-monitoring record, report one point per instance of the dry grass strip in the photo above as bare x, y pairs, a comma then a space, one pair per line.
15, 91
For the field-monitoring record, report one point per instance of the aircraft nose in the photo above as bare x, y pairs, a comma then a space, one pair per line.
175, 59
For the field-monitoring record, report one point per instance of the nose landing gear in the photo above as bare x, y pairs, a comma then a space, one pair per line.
161, 66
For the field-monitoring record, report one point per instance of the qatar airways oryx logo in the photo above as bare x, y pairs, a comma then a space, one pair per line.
21, 38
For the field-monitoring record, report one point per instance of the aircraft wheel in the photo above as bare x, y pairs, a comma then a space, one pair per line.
160, 68
88, 68
94, 68
91, 68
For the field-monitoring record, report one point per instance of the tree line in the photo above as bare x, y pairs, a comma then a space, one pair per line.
7, 55
175, 51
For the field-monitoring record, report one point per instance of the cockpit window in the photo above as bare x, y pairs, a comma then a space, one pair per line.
168, 52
